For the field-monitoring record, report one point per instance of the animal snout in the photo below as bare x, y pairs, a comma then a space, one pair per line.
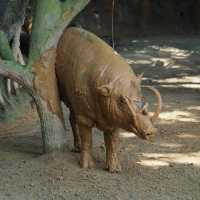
151, 132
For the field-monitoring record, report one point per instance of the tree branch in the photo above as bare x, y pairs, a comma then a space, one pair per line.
55, 15
15, 72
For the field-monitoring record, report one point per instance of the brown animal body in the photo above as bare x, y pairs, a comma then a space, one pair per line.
102, 91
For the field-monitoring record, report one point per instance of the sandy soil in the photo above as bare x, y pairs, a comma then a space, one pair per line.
166, 168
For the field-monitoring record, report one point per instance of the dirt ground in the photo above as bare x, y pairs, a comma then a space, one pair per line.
165, 168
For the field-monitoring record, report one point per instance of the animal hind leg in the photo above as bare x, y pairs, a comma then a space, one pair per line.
75, 130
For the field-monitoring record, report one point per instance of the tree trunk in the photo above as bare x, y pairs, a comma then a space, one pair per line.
45, 83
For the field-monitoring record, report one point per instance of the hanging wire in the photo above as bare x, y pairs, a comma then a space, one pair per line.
113, 21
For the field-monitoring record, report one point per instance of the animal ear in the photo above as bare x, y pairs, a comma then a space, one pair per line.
140, 77
105, 90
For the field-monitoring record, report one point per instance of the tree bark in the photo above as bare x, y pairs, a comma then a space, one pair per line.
45, 83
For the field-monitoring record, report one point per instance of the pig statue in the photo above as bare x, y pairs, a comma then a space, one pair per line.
101, 90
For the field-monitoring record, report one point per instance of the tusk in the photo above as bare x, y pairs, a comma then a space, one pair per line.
159, 99
145, 109
129, 105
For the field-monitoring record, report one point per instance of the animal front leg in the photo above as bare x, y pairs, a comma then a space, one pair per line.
86, 160
111, 143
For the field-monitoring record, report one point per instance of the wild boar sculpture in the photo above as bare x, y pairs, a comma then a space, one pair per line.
101, 90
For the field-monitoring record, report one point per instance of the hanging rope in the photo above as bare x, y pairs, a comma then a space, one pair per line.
113, 21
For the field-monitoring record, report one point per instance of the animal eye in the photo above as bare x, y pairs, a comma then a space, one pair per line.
121, 101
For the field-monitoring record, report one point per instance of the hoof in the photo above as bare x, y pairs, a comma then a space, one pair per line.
115, 169
87, 162
114, 166
76, 150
